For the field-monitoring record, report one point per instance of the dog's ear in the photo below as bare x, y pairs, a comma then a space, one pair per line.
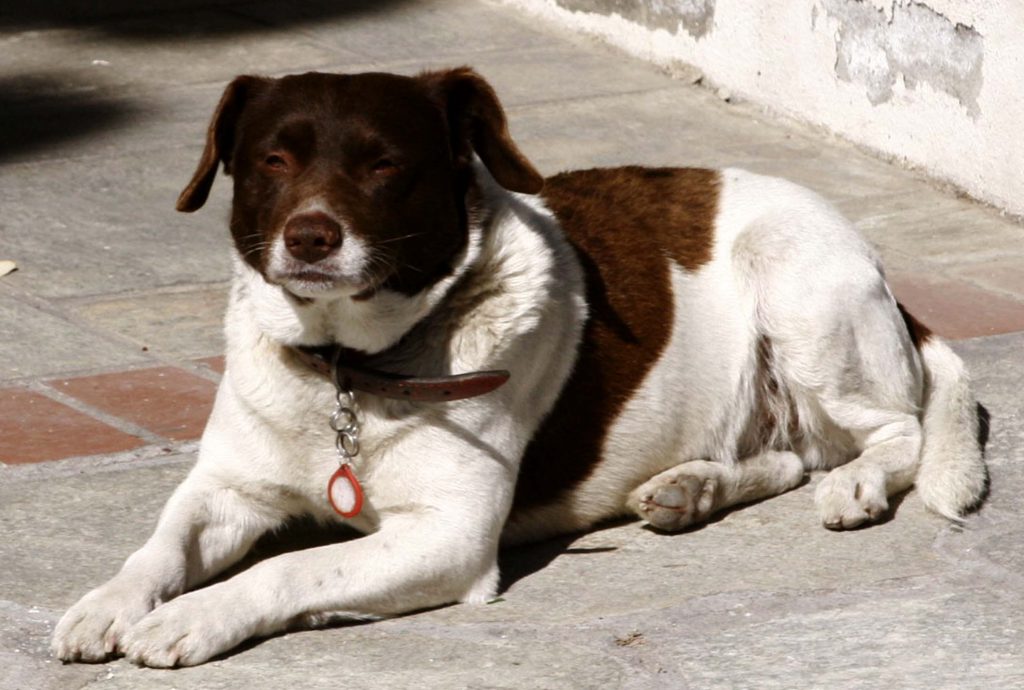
476, 121
220, 141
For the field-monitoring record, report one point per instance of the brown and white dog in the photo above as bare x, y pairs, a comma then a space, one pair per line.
679, 341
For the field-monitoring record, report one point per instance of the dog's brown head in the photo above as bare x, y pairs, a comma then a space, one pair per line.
352, 183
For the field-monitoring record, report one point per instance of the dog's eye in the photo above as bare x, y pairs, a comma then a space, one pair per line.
276, 162
384, 167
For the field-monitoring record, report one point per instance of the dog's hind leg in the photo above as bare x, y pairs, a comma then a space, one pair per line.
690, 493
856, 381
842, 351
857, 492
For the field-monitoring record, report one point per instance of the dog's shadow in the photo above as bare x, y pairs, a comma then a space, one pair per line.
515, 562
521, 561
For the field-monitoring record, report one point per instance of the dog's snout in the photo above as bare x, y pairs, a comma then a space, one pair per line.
311, 237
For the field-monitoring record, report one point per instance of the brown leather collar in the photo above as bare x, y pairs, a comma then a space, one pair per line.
336, 363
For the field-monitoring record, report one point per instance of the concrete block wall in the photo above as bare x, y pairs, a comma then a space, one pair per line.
936, 84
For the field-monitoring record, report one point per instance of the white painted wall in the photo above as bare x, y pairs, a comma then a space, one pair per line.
955, 105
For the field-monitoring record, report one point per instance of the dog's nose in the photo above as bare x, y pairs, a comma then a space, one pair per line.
310, 237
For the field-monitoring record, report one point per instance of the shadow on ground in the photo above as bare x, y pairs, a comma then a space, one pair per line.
41, 111
118, 19
37, 112
516, 562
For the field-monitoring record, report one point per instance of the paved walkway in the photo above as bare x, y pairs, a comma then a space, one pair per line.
110, 351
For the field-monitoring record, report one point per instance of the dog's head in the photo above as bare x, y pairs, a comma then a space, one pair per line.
347, 184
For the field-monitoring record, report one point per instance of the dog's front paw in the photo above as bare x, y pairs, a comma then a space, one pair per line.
92, 629
671, 502
187, 631
850, 495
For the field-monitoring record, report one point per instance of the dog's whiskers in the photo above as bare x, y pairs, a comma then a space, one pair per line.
379, 268
402, 237
255, 248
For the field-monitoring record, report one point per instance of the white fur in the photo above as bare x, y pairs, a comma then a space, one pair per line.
786, 267
952, 475
439, 480
349, 267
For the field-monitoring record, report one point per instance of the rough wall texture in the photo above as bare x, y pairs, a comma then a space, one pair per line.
938, 84
693, 16
916, 44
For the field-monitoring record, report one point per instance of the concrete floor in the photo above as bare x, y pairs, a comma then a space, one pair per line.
101, 123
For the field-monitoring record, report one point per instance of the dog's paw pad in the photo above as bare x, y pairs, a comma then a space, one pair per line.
677, 503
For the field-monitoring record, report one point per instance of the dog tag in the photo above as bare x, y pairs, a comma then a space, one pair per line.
344, 492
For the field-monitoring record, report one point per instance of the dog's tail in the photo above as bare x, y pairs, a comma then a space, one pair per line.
952, 478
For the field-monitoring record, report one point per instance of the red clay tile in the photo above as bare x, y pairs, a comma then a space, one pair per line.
955, 309
34, 428
168, 401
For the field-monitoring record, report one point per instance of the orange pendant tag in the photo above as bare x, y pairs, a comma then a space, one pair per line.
344, 492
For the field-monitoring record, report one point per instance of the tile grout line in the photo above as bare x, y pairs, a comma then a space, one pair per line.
48, 307
143, 456
191, 366
113, 421
200, 369
54, 304
142, 293
151, 359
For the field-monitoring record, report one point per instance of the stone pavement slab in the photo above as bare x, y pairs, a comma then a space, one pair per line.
116, 231
172, 324
65, 346
103, 110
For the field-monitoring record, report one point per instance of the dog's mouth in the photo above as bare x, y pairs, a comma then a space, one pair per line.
315, 282
342, 273
312, 276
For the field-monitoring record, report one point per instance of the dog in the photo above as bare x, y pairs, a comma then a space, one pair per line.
429, 341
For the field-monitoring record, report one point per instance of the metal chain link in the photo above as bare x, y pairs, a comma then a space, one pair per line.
345, 424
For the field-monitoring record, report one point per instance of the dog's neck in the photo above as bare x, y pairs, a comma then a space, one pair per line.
354, 371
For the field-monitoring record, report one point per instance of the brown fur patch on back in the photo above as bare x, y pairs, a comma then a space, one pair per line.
624, 224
